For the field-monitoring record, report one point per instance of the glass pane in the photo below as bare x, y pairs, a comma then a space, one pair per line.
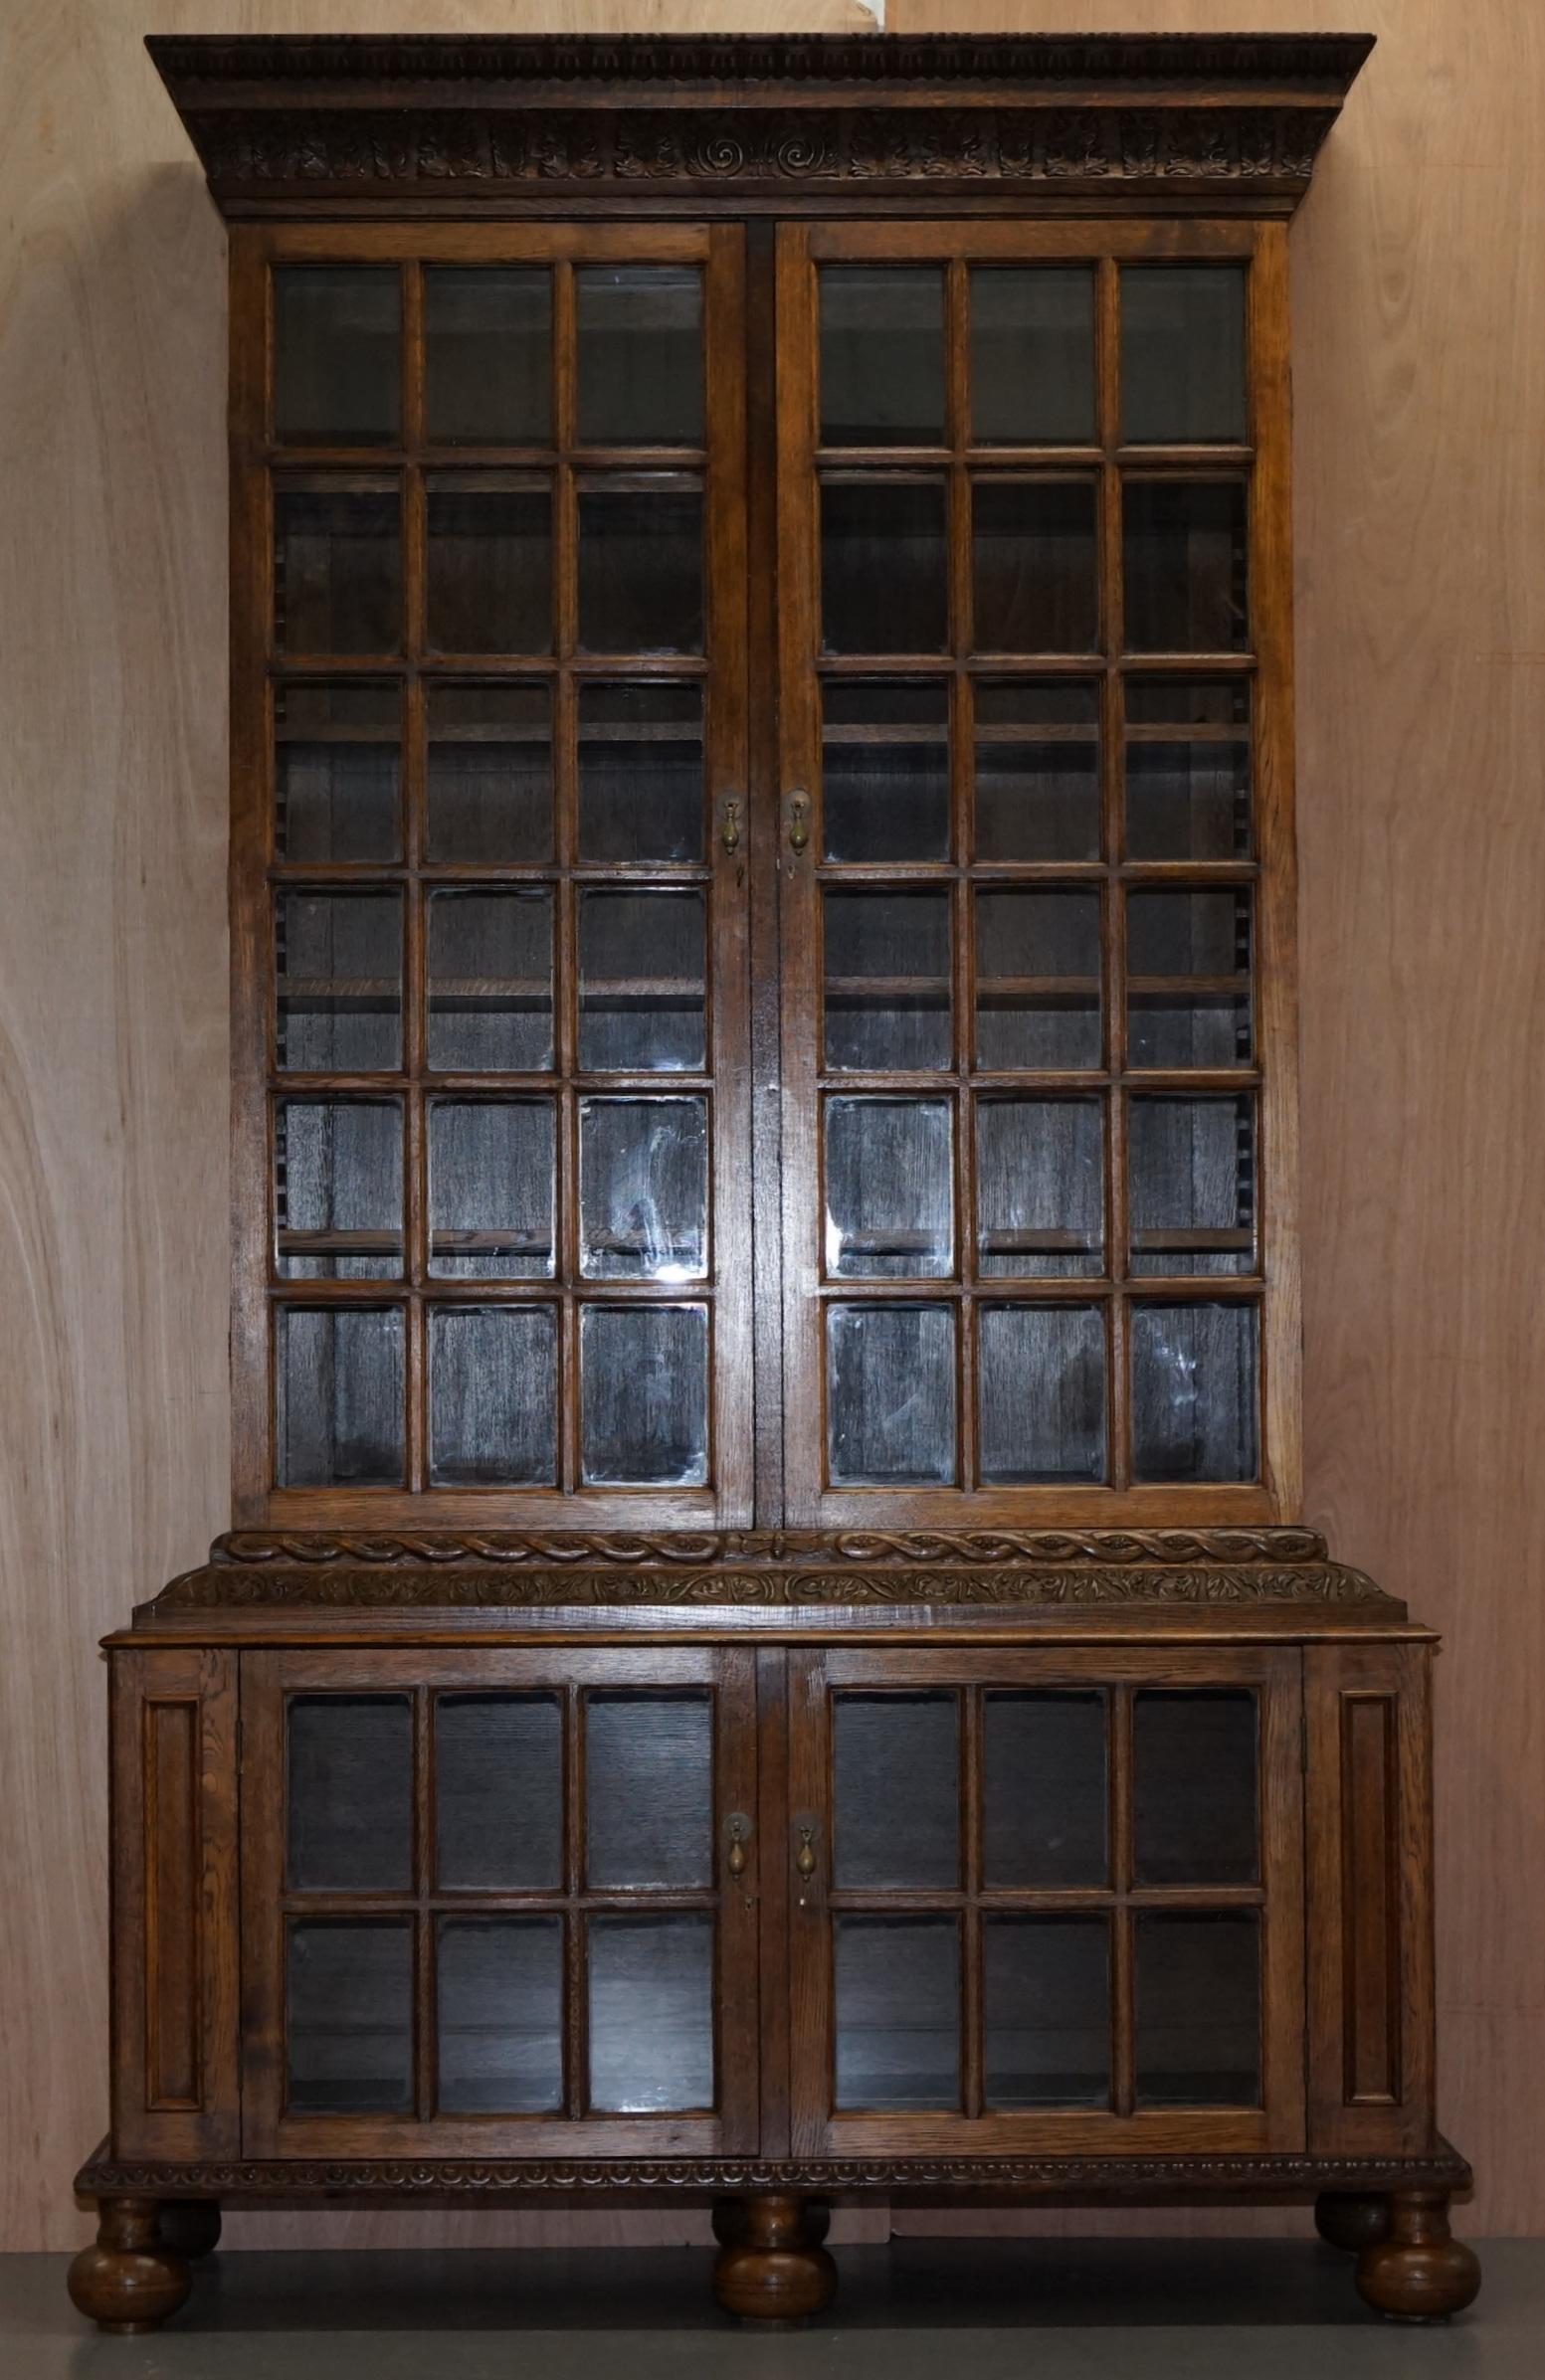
492, 1396
1196, 1393
500, 2004
338, 772
338, 1190
338, 567
490, 982
643, 1188
1032, 547
349, 2017
487, 356
490, 563
1046, 2014
1183, 353
642, 982
889, 1188
1044, 1794
1038, 790
1194, 1788
1196, 1988
882, 356
640, 354
348, 1792
1042, 1411
640, 785
498, 1791
1188, 979
884, 568
1192, 1196
884, 770
338, 1397
1188, 773
1037, 980
887, 981
895, 1791
890, 1396
1033, 355
644, 1395
641, 566
649, 1790
338, 961
490, 1190
488, 772
1185, 565
1041, 1188
897, 1992
651, 2013
337, 359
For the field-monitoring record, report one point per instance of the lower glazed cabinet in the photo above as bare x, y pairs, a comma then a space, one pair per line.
769, 1924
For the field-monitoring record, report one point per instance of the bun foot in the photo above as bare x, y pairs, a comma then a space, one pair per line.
771, 2266
1418, 2273
191, 2226
131, 2280
1352, 2221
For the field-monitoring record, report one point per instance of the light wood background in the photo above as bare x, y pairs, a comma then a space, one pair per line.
1419, 381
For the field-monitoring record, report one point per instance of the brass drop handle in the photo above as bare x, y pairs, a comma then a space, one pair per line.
798, 822
729, 833
738, 1829
805, 1857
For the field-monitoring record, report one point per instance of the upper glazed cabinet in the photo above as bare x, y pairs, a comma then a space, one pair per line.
763, 867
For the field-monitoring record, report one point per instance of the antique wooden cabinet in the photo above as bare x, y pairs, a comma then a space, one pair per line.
769, 1652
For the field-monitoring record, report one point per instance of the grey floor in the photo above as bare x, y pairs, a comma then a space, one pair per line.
1039, 2309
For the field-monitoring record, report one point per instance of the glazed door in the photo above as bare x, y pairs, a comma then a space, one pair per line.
498, 1903
1047, 1901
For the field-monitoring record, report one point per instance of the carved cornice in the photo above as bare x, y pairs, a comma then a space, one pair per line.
1116, 2176
451, 121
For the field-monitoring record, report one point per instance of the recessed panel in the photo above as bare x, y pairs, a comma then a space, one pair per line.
884, 565
1183, 354
896, 1991
337, 567
1038, 769
642, 982
339, 1396
887, 998
651, 2012
1033, 567
1033, 355
337, 356
644, 1395
338, 1190
348, 2031
498, 1792
348, 1792
1044, 1791
885, 771
490, 982
1197, 2008
644, 1189
1038, 981
487, 356
1195, 1797
1196, 1393
1188, 769
1185, 565
490, 562
889, 1188
488, 771
492, 1396
881, 355
649, 1790
890, 1396
1040, 1394
1045, 2012
490, 1190
338, 771
1191, 1196
641, 773
895, 1786
1040, 1187
500, 2011
640, 363
640, 583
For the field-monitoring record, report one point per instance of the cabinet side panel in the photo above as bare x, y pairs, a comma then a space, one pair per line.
174, 1933
1370, 1899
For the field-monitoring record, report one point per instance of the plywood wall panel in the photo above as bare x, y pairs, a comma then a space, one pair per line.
1419, 382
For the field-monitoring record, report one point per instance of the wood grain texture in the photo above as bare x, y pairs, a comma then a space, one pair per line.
1419, 356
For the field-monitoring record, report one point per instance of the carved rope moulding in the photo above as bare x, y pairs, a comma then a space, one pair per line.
436, 1548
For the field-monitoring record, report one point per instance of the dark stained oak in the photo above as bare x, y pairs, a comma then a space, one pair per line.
771, 2266
130, 2278
1418, 2272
